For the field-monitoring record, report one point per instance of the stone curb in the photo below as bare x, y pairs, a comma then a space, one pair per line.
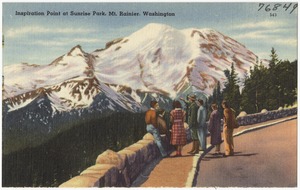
192, 177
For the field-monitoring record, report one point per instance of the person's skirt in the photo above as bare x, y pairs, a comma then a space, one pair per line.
178, 136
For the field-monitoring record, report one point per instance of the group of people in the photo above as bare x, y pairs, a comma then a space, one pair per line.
196, 115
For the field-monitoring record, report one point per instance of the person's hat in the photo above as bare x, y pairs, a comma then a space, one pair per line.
201, 101
192, 97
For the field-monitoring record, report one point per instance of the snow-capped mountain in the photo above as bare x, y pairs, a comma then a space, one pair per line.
156, 61
162, 59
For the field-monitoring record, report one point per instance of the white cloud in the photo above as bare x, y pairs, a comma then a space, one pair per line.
48, 43
88, 40
259, 34
261, 24
250, 35
286, 41
263, 55
19, 32
277, 36
65, 41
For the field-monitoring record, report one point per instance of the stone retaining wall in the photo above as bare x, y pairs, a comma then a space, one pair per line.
265, 116
120, 169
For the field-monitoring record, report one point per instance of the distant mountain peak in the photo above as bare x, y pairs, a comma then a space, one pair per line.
152, 30
76, 51
157, 26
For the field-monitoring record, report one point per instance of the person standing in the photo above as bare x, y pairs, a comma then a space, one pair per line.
192, 122
214, 127
202, 128
178, 137
152, 127
229, 120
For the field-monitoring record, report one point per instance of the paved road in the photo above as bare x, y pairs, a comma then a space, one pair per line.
263, 158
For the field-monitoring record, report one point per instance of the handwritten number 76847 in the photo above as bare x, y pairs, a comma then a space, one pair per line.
277, 6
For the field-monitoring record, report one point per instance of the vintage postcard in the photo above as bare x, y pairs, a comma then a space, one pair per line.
149, 94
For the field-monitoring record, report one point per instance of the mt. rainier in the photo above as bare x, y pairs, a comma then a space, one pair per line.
159, 58
156, 61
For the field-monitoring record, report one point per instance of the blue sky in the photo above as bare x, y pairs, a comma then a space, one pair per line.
41, 39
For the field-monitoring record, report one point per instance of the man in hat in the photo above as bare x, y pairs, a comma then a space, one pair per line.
193, 125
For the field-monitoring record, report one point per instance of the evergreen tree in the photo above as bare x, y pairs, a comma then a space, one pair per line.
254, 94
264, 88
247, 95
286, 74
270, 88
274, 59
231, 92
272, 85
216, 97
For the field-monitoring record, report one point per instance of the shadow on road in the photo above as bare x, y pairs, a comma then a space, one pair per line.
190, 155
218, 156
241, 154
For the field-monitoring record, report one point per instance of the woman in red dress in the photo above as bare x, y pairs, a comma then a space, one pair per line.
178, 137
